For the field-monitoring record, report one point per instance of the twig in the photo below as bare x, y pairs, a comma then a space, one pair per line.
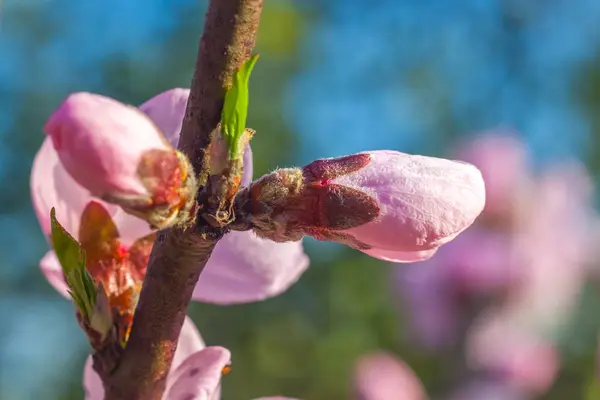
179, 256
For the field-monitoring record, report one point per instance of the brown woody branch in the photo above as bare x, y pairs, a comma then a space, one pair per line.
179, 256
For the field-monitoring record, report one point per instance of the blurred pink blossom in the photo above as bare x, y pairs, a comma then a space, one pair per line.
478, 263
517, 338
243, 267
528, 252
381, 376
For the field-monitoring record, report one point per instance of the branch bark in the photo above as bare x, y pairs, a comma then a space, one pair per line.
179, 256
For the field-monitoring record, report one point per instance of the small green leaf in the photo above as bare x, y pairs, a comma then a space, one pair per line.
72, 260
235, 108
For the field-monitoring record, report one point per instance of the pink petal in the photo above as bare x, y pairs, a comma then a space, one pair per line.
380, 376
52, 186
199, 376
245, 268
167, 110
190, 342
92, 384
53, 272
100, 142
401, 256
424, 202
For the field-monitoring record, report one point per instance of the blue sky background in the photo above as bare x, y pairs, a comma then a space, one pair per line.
410, 75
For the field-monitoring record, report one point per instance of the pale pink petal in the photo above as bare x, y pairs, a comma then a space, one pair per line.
52, 186
190, 342
424, 202
167, 110
381, 376
130, 228
400, 256
199, 376
53, 272
100, 142
92, 384
245, 268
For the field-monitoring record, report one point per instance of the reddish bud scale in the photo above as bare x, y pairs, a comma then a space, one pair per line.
290, 203
121, 269
161, 173
326, 169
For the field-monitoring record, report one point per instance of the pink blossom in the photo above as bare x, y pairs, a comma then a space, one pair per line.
515, 253
387, 204
380, 376
89, 133
243, 267
515, 338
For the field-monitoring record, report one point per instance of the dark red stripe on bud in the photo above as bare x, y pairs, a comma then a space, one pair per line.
342, 207
323, 170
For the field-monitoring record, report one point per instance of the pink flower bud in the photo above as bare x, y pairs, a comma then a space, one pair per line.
100, 141
390, 205
118, 153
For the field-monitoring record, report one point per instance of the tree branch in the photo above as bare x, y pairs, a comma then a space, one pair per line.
179, 256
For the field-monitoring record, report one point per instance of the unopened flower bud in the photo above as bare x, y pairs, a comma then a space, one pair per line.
390, 205
117, 153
